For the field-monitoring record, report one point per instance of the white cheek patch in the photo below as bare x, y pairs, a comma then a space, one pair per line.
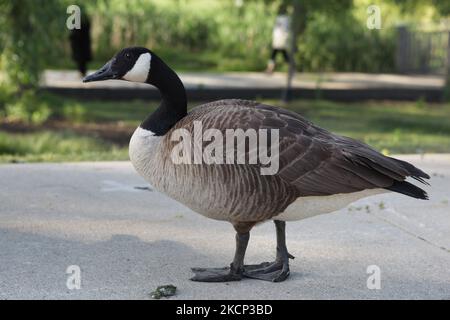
139, 72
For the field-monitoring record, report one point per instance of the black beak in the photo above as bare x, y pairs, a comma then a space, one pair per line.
104, 73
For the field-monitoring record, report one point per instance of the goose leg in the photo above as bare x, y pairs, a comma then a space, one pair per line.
278, 270
231, 273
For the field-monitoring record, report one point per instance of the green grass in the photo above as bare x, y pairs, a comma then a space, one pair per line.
128, 113
56, 147
392, 127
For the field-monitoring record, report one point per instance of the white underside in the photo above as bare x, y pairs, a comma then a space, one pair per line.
307, 207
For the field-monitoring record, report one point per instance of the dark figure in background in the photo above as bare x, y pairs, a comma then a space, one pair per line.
80, 42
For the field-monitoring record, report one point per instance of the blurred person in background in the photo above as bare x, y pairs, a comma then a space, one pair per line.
280, 40
80, 43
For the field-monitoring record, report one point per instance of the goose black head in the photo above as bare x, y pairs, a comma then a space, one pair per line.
131, 64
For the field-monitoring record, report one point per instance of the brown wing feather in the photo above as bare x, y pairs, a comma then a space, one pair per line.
313, 160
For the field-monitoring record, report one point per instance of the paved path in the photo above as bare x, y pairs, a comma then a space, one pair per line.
128, 240
241, 80
258, 85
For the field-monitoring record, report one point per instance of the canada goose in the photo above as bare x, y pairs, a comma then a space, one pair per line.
319, 172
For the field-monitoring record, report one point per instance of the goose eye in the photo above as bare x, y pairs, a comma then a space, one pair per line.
127, 55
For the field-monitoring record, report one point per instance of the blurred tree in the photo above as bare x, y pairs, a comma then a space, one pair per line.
443, 7
27, 41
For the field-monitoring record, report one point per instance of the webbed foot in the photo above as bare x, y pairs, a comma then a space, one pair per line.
276, 271
216, 274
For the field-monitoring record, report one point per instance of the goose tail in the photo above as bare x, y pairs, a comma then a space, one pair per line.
408, 188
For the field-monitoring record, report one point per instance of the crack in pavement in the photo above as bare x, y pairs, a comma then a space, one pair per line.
410, 232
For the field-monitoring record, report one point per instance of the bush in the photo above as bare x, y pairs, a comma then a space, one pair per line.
342, 43
27, 46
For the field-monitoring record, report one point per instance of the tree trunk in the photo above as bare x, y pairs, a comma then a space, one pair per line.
298, 24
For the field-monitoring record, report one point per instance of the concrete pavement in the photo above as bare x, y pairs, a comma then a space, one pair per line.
128, 240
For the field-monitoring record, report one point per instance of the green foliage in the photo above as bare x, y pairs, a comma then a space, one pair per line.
442, 6
345, 44
219, 35
206, 34
241, 35
244, 36
29, 28
27, 39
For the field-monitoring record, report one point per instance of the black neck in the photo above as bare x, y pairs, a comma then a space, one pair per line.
173, 105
